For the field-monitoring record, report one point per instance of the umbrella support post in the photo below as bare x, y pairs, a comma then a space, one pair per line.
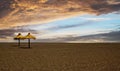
18, 42
29, 43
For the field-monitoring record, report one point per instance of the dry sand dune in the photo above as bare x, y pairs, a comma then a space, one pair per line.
60, 57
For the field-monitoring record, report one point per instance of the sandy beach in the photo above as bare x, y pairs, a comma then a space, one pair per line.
60, 57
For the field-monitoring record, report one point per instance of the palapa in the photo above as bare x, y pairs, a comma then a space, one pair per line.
29, 36
19, 37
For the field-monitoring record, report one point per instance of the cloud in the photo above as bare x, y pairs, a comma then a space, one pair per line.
97, 19
104, 37
69, 26
27, 12
11, 32
64, 37
113, 1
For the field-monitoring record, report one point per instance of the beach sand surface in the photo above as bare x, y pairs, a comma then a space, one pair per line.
60, 57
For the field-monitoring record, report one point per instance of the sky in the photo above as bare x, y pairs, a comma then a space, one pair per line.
72, 21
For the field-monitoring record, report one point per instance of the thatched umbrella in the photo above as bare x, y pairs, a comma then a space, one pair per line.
29, 36
18, 37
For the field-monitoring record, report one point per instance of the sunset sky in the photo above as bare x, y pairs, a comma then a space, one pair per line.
61, 20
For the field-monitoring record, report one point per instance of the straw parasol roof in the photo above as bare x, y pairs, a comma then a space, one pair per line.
29, 36
19, 36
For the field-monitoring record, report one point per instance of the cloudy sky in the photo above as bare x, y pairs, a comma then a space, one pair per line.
61, 20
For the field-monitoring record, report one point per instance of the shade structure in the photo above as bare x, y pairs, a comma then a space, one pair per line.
19, 37
29, 36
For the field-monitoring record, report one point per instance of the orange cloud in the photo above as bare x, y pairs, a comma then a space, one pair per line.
26, 12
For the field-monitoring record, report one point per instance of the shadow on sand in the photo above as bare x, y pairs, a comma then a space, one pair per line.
24, 47
21, 47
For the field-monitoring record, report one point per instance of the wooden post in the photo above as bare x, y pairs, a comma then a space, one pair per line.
29, 43
18, 42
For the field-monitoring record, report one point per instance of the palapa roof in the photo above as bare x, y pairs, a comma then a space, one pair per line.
29, 36
19, 36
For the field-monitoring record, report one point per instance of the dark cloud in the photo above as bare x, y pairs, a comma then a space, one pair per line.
6, 33
5, 7
105, 8
11, 32
112, 36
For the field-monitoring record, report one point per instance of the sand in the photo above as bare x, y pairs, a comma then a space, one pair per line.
60, 57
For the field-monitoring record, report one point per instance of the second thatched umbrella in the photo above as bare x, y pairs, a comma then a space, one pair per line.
18, 37
29, 36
